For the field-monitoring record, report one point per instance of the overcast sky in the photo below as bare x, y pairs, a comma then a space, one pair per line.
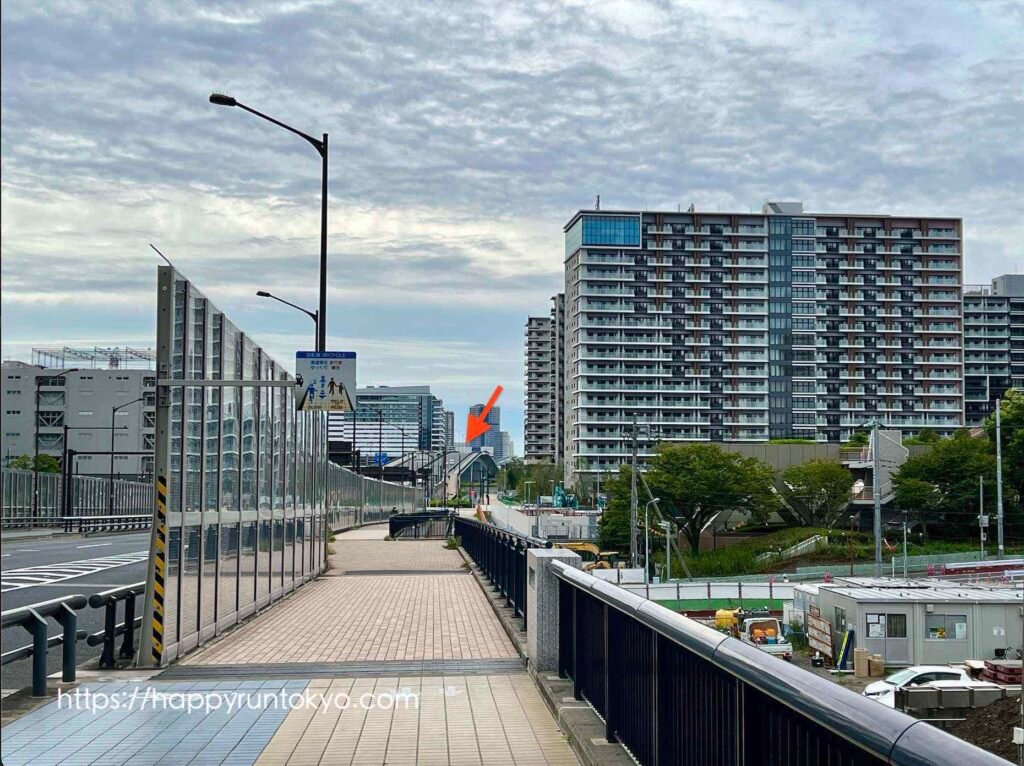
463, 135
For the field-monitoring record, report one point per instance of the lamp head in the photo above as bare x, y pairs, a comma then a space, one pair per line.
221, 100
262, 293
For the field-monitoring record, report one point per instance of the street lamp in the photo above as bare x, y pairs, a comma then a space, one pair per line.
35, 447
647, 539
667, 526
113, 433
321, 146
311, 314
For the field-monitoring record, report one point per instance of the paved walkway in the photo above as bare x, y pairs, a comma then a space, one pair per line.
396, 658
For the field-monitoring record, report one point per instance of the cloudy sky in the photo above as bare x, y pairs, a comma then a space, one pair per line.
463, 135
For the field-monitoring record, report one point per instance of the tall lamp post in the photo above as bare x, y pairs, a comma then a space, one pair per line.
113, 434
35, 458
311, 314
647, 539
320, 144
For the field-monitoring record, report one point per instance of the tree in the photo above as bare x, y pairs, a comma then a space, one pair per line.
924, 436
510, 475
941, 485
817, 491
1011, 415
859, 439
43, 463
613, 526
698, 482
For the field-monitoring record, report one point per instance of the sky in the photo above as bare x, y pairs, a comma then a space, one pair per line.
462, 137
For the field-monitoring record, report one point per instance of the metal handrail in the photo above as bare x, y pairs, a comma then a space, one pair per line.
33, 619
109, 599
889, 735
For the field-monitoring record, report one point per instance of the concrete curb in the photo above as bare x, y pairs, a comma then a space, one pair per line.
583, 729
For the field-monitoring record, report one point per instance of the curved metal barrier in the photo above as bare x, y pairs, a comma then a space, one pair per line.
501, 556
420, 526
33, 619
673, 691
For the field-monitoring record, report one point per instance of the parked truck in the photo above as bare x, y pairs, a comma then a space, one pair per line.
756, 628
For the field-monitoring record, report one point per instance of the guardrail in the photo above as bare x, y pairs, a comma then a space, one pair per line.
673, 691
83, 524
33, 619
109, 599
501, 556
88, 496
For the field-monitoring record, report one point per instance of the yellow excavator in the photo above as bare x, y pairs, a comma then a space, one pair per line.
595, 557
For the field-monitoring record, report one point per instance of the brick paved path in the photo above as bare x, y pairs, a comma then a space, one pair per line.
344, 619
460, 718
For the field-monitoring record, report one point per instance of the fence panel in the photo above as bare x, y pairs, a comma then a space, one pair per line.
89, 496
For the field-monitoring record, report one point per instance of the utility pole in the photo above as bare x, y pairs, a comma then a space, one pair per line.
633, 499
982, 518
876, 482
904, 545
999, 484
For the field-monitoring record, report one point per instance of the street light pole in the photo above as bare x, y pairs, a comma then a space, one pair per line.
311, 314
321, 146
647, 540
113, 434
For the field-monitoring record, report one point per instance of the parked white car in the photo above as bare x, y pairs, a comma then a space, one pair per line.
884, 691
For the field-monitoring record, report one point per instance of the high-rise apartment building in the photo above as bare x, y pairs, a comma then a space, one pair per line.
449, 429
491, 438
43, 406
392, 420
745, 327
543, 426
993, 344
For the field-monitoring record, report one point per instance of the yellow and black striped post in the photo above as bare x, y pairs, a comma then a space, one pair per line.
160, 569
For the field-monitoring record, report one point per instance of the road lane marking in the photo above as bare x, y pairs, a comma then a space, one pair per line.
30, 577
94, 545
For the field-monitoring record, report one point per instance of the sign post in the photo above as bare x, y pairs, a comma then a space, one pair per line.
325, 381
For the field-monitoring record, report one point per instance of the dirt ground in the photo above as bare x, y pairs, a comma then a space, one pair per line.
991, 728
849, 680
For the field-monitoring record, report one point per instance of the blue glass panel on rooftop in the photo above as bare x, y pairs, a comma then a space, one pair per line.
611, 230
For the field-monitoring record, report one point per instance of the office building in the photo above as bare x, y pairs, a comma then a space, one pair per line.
993, 344
389, 421
449, 429
507, 449
545, 385
748, 327
82, 404
489, 441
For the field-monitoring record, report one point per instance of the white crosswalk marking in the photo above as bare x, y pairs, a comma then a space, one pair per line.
45, 574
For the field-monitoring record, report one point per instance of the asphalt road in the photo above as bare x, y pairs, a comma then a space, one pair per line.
98, 573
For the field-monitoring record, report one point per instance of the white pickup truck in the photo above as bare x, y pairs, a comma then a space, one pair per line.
766, 634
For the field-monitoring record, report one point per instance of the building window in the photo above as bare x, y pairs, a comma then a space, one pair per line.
148, 441
611, 230
85, 413
946, 627
50, 419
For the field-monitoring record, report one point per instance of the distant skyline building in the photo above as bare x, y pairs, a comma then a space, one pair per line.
490, 440
388, 419
449, 427
993, 344
543, 433
712, 326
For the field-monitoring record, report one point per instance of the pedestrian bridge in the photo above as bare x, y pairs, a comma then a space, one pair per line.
503, 652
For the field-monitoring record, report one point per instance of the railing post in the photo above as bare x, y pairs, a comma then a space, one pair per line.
69, 621
577, 693
609, 719
655, 745
128, 645
109, 628
38, 629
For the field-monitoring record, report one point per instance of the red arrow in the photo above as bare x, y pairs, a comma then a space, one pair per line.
477, 424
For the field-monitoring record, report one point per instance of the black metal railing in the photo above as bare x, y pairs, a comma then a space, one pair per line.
33, 618
108, 600
501, 556
424, 525
673, 691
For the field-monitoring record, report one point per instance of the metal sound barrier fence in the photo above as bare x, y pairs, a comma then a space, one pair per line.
245, 494
90, 496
